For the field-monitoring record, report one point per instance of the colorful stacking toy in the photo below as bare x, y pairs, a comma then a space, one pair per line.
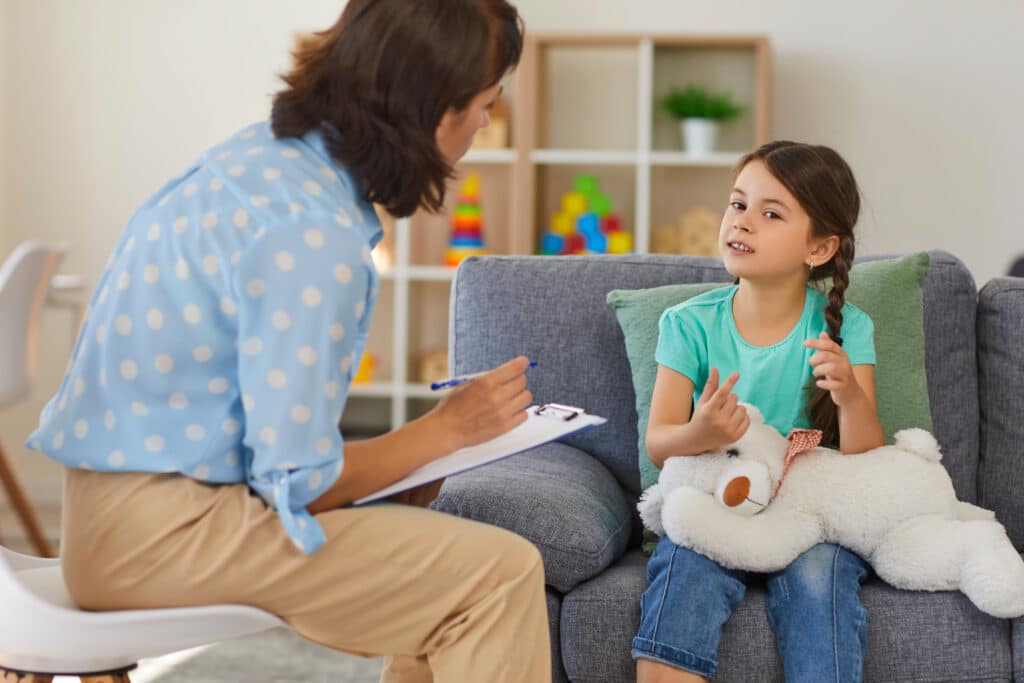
586, 223
467, 237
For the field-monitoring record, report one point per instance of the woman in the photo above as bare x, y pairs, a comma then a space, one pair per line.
198, 417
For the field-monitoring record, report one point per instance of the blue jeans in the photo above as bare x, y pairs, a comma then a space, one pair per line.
813, 606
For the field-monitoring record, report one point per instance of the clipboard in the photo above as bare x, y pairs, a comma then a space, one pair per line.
543, 424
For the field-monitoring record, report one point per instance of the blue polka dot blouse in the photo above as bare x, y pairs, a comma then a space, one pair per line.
224, 333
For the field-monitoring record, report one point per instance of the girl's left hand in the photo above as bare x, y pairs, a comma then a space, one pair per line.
833, 370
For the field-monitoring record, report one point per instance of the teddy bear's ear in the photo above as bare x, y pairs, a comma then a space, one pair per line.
755, 415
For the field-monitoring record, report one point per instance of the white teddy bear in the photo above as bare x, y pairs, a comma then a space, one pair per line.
894, 506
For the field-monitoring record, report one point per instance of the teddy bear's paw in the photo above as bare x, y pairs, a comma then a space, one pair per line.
688, 514
649, 506
993, 576
919, 442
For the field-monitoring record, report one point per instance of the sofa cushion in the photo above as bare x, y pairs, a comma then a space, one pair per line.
556, 496
887, 290
1000, 383
912, 635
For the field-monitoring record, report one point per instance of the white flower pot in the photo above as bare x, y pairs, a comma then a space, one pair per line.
699, 135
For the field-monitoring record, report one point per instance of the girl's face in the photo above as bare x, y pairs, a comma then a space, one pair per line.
457, 128
765, 233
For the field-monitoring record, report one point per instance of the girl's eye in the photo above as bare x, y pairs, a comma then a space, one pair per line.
737, 205
772, 215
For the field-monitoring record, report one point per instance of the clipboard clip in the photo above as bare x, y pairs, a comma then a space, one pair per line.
557, 410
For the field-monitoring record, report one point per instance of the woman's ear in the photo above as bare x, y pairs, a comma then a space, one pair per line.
822, 250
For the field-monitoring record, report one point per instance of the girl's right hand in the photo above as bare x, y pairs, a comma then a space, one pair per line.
718, 418
485, 408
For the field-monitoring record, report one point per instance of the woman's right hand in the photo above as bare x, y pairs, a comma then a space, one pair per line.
718, 418
487, 407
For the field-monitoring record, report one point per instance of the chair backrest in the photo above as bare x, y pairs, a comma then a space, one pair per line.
24, 282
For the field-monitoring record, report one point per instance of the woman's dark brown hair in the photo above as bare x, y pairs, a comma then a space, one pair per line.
827, 191
378, 82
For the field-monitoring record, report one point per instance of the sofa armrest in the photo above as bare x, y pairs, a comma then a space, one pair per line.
558, 497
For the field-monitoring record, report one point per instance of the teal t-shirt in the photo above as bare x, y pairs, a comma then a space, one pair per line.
701, 333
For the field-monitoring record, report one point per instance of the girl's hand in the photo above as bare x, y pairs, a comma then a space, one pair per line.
485, 408
718, 418
833, 370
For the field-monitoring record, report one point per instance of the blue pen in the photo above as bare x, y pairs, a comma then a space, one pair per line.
462, 379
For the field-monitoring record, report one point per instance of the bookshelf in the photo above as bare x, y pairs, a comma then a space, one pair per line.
580, 103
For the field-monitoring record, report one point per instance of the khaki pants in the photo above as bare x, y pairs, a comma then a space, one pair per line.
447, 599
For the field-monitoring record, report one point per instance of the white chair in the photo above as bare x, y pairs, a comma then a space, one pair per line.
24, 283
43, 634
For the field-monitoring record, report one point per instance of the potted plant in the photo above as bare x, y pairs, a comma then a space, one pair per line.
700, 112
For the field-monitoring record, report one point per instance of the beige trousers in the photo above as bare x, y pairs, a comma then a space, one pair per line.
446, 599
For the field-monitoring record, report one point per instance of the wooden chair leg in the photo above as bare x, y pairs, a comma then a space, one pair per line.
23, 508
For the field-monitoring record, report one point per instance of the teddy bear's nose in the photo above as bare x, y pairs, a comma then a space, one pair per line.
736, 491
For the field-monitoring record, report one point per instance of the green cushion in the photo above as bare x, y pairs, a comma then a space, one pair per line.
888, 290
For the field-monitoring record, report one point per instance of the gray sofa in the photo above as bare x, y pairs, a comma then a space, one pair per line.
575, 500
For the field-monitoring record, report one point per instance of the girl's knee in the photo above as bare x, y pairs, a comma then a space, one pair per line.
825, 568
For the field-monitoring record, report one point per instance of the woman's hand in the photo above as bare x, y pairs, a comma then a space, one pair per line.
833, 370
718, 418
486, 407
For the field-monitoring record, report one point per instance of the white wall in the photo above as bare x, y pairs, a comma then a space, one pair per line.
105, 99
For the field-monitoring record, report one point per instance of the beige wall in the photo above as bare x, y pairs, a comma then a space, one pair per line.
103, 100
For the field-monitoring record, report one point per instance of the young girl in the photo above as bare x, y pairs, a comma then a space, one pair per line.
805, 360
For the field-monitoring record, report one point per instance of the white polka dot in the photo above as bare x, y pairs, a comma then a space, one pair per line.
260, 232
201, 472
216, 184
331, 390
123, 324
103, 295
201, 354
79, 386
210, 220
223, 155
255, 287
277, 378
163, 363
285, 465
290, 153
367, 255
231, 459
248, 135
315, 479
295, 207
314, 238
63, 403
281, 320
192, 314
301, 414
268, 435
236, 170
124, 281
360, 308
271, 173
253, 151
284, 260
139, 409
163, 200
115, 459
155, 319
338, 467
307, 356
154, 232
342, 218
178, 401
180, 225
312, 187
328, 173
154, 443
217, 385
109, 420
181, 269
130, 243
337, 332
101, 334
248, 403
343, 273
311, 297
345, 363
323, 446
240, 218
259, 200
230, 426
81, 428
301, 522
227, 306
210, 264
190, 189
58, 440
252, 346
195, 432
151, 274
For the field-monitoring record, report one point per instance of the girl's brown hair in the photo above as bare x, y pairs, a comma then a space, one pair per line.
378, 82
825, 187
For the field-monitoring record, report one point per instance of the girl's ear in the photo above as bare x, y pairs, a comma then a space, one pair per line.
822, 250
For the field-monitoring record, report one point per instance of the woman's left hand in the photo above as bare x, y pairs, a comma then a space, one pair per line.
420, 496
833, 370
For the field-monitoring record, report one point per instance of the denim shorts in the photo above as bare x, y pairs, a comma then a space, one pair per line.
813, 606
